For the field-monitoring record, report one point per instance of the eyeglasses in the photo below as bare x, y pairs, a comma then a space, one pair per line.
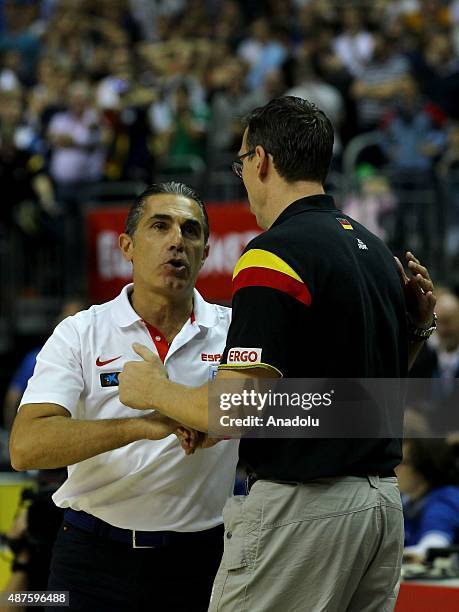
238, 164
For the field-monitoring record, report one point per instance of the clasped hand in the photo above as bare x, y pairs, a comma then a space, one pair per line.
135, 391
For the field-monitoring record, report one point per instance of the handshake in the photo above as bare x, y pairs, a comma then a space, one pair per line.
139, 382
190, 439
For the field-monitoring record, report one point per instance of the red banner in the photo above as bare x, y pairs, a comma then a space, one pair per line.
415, 597
231, 227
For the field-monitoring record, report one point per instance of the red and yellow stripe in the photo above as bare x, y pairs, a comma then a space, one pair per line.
345, 223
260, 268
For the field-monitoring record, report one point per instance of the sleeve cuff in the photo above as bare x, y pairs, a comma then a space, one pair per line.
250, 366
50, 399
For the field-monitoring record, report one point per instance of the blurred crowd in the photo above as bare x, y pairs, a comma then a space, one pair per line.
135, 82
124, 89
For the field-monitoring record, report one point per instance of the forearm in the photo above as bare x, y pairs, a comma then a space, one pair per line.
187, 405
59, 441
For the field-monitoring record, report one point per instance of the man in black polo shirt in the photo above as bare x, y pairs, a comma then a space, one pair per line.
315, 296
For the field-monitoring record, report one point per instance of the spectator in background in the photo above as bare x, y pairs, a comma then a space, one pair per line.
450, 159
180, 129
378, 85
429, 482
10, 70
413, 139
440, 356
21, 35
262, 51
48, 96
231, 101
332, 70
173, 63
12, 120
310, 86
372, 201
28, 201
24, 371
448, 171
125, 101
413, 131
119, 79
77, 143
439, 361
17, 387
436, 68
77, 140
354, 46
66, 38
229, 23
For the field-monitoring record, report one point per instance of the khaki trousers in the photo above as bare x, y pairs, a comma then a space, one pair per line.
333, 545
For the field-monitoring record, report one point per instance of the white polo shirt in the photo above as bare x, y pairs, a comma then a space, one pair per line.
149, 485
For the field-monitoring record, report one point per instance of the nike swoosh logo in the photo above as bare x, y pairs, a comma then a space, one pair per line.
102, 363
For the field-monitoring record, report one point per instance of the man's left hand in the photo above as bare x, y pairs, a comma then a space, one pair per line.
190, 439
419, 292
136, 378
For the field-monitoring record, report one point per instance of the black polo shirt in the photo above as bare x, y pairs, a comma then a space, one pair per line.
318, 296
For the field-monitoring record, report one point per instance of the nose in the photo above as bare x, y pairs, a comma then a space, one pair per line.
177, 238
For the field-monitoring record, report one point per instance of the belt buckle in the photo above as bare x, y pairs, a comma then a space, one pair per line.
134, 543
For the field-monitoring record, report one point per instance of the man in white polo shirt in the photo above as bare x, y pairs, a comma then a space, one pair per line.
135, 503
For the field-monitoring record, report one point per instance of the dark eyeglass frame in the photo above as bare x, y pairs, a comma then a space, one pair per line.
237, 165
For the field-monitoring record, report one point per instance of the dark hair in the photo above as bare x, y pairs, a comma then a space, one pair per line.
137, 207
435, 460
297, 134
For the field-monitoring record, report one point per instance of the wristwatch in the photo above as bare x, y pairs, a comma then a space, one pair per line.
418, 334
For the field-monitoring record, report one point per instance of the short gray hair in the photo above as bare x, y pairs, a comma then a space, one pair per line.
138, 206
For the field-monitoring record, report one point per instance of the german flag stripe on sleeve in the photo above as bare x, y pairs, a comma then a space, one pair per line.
260, 268
345, 223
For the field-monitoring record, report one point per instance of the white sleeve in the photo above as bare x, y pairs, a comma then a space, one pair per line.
432, 539
58, 374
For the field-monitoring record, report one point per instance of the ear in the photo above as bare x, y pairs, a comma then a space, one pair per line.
262, 161
205, 254
127, 246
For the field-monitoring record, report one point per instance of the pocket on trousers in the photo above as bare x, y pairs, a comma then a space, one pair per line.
70, 534
234, 554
